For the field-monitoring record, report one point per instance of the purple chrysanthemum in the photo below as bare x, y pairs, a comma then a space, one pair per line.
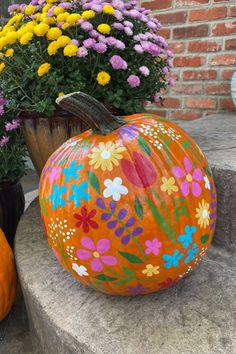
133, 81
144, 71
100, 47
118, 63
13, 125
4, 141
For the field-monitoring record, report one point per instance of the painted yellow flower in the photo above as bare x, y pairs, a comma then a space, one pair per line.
26, 38
44, 69
88, 14
150, 270
108, 9
104, 28
103, 78
106, 155
41, 29
53, 48
2, 67
54, 33
203, 214
169, 185
30, 10
9, 53
70, 50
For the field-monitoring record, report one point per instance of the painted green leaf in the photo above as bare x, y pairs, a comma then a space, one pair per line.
130, 257
186, 144
207, 171
138, 207
128, 272
93, 180
144, 146
180, 208
162, 221
105, 277
204, 238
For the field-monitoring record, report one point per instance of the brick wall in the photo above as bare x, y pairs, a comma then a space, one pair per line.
202, 34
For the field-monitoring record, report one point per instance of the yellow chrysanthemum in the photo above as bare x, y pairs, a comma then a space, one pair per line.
54, 33
3, 43
1, 55
9, 53
30, 10
44, 69
11, 38
106, 155
48, 20
169, 185
53, 48
41, 29
62, 17
46, 8
38, 17
62, 41
61, 94
203, 214
73, 18
58, 10
103, 78
108, 9
2, 67
65, 26
104, 28
26, 38
150, 270
88, 14
70, 50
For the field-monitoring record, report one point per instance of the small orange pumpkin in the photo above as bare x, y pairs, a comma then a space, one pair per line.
129, 207
7, 277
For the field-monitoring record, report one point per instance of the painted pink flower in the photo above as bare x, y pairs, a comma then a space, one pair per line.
54, 174
191, 178
96, 252
153, 246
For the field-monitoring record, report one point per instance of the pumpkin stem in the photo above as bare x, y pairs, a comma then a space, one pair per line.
90, 111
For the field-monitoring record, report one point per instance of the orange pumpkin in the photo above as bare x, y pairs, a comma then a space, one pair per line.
129, 207
7, 277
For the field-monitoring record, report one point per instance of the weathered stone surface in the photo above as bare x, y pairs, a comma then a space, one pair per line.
216, 136
197, 316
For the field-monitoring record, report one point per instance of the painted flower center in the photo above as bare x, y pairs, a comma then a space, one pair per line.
204, 213
96, 254
105, 154
189, 178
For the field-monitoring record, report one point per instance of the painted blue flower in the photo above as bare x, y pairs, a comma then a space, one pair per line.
191, 253
128, 130
55, 197
172, 260
79, 193
187, 239
72, 171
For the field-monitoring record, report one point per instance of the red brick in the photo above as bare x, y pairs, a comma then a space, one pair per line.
164, 32
224, 59
200, 75
192, 31
208, 14
223, 29
186, 115
226, 103
170, 18
206, 46
188, 89
227, 74
217, 89
190, 2
200, 103
230, 44
171, 102
177, 47
233, 11
158, 112
158, 4
189, 61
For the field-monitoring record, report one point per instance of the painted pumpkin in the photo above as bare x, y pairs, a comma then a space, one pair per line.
129, 207
7, 277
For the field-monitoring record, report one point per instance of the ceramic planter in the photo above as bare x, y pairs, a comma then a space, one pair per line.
12, 204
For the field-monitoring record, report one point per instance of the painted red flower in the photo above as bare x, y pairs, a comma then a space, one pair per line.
85, 219
140, 171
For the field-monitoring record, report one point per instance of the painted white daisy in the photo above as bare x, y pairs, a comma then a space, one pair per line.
114, 189
80, 270
207, 182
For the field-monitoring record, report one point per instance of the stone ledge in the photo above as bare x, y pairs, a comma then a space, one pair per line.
194, 317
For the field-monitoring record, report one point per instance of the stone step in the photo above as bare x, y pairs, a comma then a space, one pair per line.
216, 136
194, 317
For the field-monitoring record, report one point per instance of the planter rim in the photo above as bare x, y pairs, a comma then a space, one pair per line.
8, 184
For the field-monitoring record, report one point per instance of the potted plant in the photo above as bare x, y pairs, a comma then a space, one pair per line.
108, 49
12, 166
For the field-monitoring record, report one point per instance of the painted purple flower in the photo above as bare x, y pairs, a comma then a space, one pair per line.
128, 131
153, 246
4, 140
133, 81
100, 47
118, 63
13, 125
136, 290
96, 252
144, 70
191, 178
